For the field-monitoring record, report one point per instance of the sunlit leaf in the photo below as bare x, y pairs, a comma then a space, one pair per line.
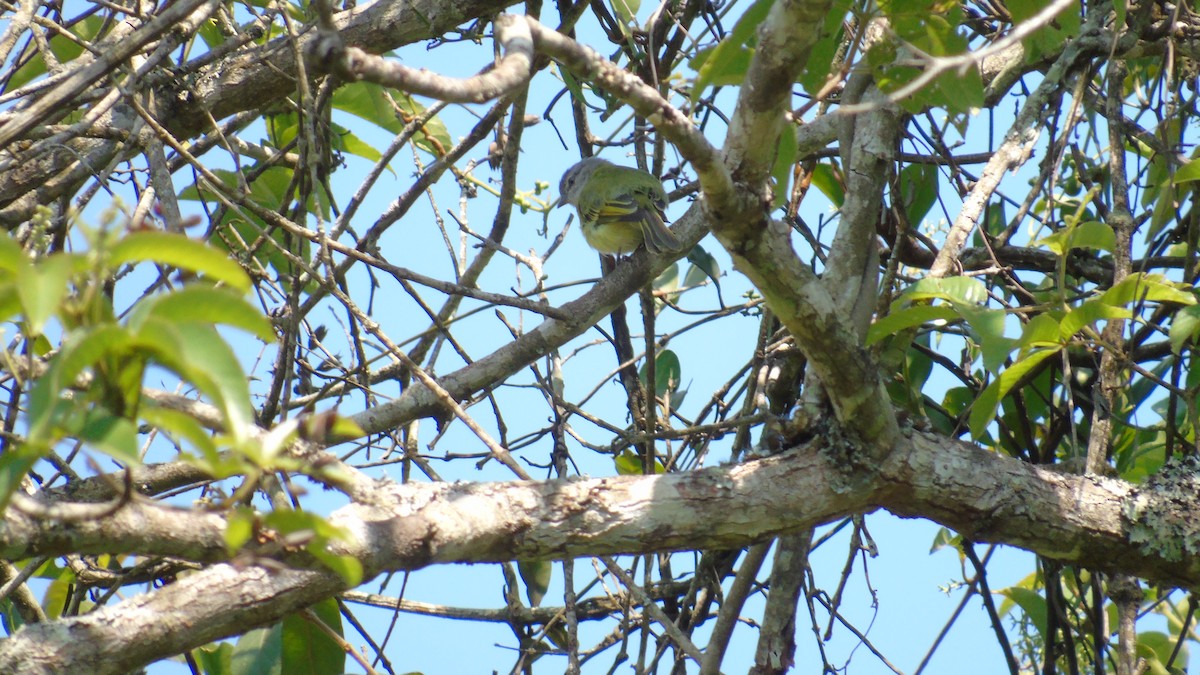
42, 287
180, 425
819, 65
177, 250
204, 304
967, 290
11, 255
1139, 287
1087, 314
1091, 234
80, 351
1185, 327
908, 317
828, 180
1188, 172
197, 353
961, 91
368, 102
984, 410
1042, 330
626, 11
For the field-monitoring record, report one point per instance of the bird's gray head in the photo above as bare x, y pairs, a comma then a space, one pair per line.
571, 185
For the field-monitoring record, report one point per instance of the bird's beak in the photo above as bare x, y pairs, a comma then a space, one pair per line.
561, 201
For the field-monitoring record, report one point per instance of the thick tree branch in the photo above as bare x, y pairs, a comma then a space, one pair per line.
984, 496
408, 526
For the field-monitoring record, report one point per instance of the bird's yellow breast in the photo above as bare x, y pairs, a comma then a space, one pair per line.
613, 237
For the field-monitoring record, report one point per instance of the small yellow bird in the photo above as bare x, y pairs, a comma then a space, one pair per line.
620, 208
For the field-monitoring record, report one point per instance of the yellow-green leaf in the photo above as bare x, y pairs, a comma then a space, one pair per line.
177, 250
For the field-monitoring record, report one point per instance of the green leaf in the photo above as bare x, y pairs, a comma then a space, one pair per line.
908, 317
1088, 313
734, 49
114, 436
65, 49
727, 70
10, 618
10, 301
703, 265
667, 372
1188, 172
215, 658
346, 141
785, 156
1048, 39
1032, 603
182, 426
988, 324
819, 65
668, 282
177, 250
984, 410
204, 304
1140, 287
345, 566
14, 465
961, 91
995, 221
1119, 20
309, 650
995, 352
57, 594
42, 287
966, 290
11, 255
828, 180
945, 538
1156, 648
196, 352
240, 525
1042, 330
259, 652
369, 102
628, 464
1092, 234
1185, 327
81, 350
626, 11
918, 191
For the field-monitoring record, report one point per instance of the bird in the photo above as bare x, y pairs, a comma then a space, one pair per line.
619, 207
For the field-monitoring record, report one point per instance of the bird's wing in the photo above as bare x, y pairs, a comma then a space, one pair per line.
617, 209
